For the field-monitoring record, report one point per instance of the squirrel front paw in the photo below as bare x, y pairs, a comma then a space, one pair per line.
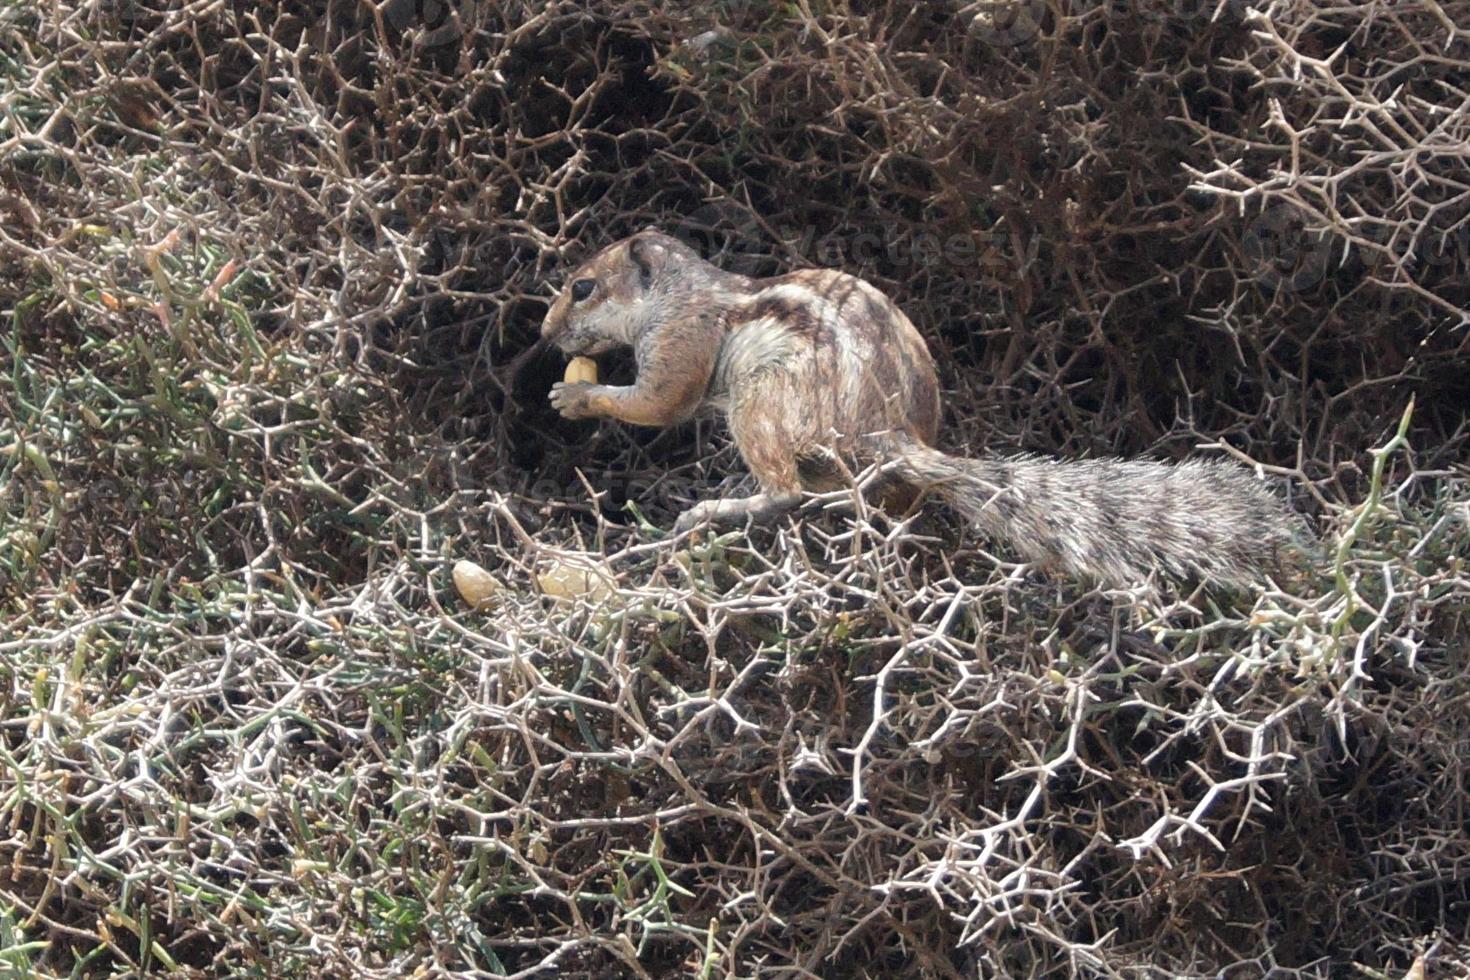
574, 400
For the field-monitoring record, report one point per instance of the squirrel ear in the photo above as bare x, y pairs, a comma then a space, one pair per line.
644, 254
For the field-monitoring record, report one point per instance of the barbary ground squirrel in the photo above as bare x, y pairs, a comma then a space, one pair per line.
819, 362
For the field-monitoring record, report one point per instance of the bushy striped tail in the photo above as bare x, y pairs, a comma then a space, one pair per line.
1118, 521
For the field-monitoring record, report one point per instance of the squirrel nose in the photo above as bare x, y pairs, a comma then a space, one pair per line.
555, 321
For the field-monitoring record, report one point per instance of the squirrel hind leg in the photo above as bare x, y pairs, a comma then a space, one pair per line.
766, 443
759, 508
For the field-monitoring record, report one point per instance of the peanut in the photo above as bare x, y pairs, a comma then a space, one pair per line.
474, 584
581, 369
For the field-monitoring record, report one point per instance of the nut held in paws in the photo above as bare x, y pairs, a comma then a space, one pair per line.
581, 369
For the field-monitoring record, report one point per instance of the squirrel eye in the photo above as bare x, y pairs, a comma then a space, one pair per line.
582, 288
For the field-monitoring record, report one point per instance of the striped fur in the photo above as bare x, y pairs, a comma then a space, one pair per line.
818, 362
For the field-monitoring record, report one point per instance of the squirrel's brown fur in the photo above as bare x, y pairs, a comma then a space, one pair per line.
820, 362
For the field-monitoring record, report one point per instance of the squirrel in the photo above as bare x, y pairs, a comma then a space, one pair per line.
818, 363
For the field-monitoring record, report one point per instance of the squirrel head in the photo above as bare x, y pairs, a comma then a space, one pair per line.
618, 294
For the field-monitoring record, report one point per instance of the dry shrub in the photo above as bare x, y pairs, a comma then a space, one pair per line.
266, 270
